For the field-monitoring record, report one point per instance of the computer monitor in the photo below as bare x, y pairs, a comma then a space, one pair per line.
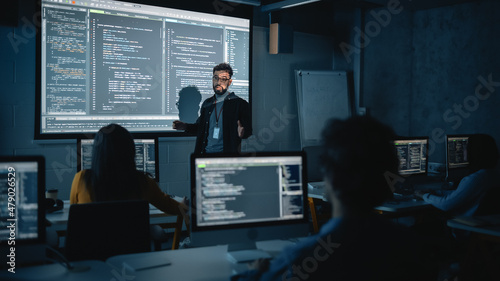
412, 154
457, 160
239, 200
146, 155
22, 217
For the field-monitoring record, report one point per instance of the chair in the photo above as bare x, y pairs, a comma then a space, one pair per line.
159, 235
314, 174
104, 229
313, 153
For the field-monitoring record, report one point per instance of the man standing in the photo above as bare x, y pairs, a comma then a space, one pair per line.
224, 118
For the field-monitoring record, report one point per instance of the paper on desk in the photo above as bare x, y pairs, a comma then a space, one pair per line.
479, 221
141, 263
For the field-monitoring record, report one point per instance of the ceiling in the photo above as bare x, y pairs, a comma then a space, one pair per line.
316, 17
412, 4
422, 4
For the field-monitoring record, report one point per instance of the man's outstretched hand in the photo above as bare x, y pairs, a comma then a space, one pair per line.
179, 125
241, 130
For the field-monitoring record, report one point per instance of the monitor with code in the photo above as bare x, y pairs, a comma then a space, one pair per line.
146, 155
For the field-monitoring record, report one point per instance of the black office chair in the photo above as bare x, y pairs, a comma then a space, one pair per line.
313, 154
104, 229
320, 210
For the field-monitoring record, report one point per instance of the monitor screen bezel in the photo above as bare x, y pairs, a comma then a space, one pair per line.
417, 138
220, 9
136, 137
40, 160
196, 228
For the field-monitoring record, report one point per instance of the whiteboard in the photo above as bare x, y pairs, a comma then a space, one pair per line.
321, 95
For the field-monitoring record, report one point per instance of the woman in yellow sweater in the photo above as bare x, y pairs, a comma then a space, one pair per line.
114, 176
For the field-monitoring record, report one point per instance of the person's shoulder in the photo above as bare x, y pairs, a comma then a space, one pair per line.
82, 173
233, 97
209, 99
207, 102
485, 176
146, 179
482, 174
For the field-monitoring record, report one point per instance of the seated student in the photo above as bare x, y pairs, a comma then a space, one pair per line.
356, 244
114, 176
483, 156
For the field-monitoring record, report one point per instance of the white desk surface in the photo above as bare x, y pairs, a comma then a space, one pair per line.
204, 263
316, 190
99, 270
492, 228
403, 206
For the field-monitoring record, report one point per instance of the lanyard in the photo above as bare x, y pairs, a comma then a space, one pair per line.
217, 116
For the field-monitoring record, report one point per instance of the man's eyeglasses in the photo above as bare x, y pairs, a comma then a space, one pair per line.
221, 79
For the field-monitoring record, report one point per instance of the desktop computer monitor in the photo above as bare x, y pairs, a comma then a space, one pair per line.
412, 154
240, 200
457, 162
146, 155
22, 223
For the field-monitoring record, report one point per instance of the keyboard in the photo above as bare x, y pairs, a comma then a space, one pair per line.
405, 197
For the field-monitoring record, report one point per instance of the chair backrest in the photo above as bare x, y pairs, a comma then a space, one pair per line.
490, 203
313, 163
104, 229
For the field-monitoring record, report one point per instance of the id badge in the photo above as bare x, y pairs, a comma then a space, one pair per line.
216, 133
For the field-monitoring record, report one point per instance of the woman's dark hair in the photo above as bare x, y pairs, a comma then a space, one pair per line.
482, 152
224, 67
359, 160
113, 175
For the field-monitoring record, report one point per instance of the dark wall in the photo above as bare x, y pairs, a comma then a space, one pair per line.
422, 70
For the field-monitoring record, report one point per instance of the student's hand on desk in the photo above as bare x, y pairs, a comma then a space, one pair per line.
420, 193
185, 201
184, 205
260, 265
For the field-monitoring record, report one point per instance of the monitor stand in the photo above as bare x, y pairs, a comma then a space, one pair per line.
245, 252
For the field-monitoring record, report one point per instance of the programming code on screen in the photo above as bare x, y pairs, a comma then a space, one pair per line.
457, 152
412, 156
25, 193
145, 155
112, 61
248, 190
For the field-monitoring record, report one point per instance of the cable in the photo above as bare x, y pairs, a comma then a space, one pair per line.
62, 260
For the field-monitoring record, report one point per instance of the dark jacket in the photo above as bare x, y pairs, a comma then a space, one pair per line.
234, 109
358, 248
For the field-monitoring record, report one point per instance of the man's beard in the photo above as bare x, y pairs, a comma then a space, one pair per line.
220, 92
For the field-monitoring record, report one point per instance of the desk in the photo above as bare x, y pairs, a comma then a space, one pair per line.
316, 190
480, 257
99, 270
403, 208
391, 208
204, 263
59, 221
316, 194
492, 227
